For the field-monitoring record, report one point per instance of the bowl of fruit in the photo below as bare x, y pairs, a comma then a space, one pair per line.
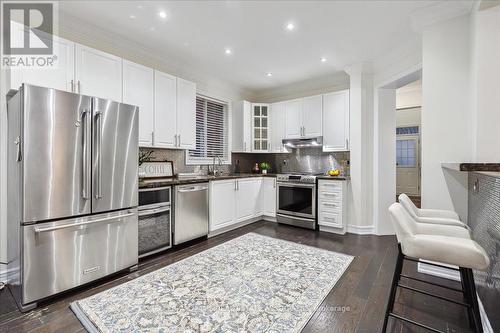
334, 173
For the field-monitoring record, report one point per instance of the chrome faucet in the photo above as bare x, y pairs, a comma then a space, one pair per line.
216, 171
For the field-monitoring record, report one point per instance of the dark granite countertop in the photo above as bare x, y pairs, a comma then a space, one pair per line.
198, 179
470, 167
325, 177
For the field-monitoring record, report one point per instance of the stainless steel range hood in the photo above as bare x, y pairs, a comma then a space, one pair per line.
316, 142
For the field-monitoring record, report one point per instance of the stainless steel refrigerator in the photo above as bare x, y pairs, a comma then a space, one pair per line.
72, 190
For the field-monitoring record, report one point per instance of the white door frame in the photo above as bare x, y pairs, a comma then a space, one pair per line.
384, 150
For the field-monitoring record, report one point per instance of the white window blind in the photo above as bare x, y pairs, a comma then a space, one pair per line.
211, 132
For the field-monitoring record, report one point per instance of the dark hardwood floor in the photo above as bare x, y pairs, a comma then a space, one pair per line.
356, 304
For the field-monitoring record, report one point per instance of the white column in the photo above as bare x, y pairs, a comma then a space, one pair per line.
360, 217
384, 158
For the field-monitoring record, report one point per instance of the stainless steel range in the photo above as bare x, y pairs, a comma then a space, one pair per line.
296, 199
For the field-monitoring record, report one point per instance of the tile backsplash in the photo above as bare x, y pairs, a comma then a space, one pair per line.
312, 160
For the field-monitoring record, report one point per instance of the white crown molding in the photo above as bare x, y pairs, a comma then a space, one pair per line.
309, 87
439, 12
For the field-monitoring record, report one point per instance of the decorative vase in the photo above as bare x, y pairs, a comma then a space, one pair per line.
264, 171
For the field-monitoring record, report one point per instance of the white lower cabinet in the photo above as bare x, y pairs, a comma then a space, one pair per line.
332, 208
222, 203
247, 198
268, 196
238, 200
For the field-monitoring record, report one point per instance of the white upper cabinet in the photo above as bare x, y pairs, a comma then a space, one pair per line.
312, 111
293, 119
138, 86
98, 73
61, 77
186, 114
336, 121
277, 127
165, 110
260, 127
303, 117
242, 126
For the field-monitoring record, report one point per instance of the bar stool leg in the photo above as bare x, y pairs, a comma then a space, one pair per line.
466, 293
394, 287
473, 300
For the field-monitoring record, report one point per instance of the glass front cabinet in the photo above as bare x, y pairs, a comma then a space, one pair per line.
260, 125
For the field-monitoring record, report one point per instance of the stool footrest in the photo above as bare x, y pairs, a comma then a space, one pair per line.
430, 263
432, 329
431, 283
433, 295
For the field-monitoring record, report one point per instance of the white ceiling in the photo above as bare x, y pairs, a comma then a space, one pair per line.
196, 34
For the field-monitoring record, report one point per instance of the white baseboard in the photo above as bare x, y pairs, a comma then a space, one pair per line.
361, 229
454, 275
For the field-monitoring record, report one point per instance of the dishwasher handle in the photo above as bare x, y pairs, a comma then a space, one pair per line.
192, 188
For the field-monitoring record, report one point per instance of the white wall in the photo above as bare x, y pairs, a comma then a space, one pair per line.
409, 96
446, 113
408, 117
487, 85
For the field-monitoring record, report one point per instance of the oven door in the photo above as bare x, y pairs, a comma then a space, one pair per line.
154, 197
155, 232
296, 200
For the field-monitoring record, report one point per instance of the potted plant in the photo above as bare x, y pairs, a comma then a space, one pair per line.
264, 166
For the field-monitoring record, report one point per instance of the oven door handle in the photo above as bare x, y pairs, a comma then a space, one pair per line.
296, 185
153, 211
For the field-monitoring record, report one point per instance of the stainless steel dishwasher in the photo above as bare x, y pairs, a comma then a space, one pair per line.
190, 212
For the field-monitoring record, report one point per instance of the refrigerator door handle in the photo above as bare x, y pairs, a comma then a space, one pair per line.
85, 157
98, 118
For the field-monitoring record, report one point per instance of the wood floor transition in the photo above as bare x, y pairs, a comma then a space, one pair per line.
356, 304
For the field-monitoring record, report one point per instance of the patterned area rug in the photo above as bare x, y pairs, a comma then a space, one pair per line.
252, 283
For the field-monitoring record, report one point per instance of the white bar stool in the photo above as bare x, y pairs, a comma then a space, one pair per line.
434, 216
446, 244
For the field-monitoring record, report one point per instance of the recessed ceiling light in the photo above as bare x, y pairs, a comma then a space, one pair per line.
132, 16
152, 28
322, 59
290, 26
139, 7
228, 51
162, 14
269, 74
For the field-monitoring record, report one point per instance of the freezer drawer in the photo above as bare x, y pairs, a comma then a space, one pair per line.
191, 212
64, 254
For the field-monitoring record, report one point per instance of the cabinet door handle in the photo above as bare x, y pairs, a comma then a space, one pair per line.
72, 86
179, 140
153, 138
347, 143
79, 86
